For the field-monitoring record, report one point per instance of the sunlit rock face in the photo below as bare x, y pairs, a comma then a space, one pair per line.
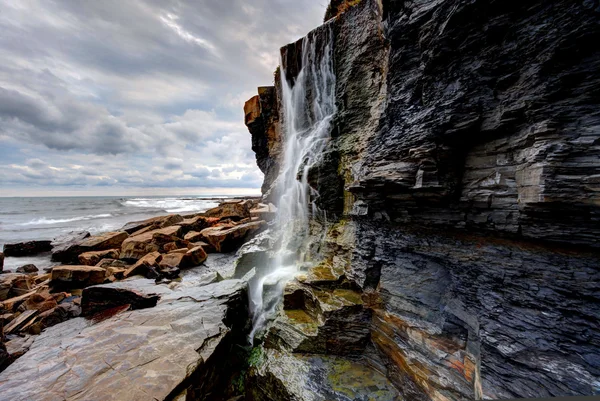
461, 187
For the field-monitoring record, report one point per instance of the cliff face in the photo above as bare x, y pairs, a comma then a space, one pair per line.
463, 180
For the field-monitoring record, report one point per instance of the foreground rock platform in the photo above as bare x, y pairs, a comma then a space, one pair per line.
147, 354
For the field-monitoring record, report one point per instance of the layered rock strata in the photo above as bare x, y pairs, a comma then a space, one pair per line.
461, 188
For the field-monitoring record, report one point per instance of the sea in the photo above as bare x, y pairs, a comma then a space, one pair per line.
27, 219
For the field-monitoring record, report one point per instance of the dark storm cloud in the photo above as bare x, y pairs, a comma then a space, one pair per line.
134, 85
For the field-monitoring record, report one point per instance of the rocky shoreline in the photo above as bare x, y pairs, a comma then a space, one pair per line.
153, 264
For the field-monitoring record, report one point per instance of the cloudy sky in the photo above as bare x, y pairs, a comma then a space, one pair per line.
136, 97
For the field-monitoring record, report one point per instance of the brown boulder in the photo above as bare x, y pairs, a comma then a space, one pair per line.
168, 243
14, 285
235, 210
27, 248
198, 223
106, 263
195, 256
135, 247
141, 267
1, 262
27, 269
92, 258
77, 276
193, 236
227, 239
40, 302
102, 242
153, 223
176, 259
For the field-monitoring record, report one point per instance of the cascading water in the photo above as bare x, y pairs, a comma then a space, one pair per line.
309, 108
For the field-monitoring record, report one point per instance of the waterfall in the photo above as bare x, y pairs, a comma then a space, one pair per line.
309, 107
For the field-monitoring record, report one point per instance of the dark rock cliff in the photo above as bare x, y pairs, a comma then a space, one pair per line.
464, 176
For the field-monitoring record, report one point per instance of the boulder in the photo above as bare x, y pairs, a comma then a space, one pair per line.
176, 259
77, 276
193, 236
1, 262
198, 223
27, 269
99, 242
62, 243
234, 210
100, 298
195, 256
27, 248
153, 223
167, 243
106, 263
94, 257
227, 239
145, 353
135, 247
14, 285
41, 302
116, 272
141, 266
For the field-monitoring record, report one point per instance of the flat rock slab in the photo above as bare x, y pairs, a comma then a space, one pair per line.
138, 355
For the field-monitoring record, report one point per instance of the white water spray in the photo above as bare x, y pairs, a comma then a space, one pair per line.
309, 108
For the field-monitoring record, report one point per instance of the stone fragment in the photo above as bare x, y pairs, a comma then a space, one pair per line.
227, 239
14, 284
27, 269
100, 298
94, 257
172, 260
70, 253
20, 321
77, 276
195, 256
198, 223
106, 263
141, 266
234, 210
27, 248
40, 302
153, 223
193, 236
135, 247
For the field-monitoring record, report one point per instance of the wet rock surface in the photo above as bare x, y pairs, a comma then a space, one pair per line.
462, 175
133, 355
297, 377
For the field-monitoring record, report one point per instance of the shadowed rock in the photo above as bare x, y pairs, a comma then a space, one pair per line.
69, 253
77, 276
27, 248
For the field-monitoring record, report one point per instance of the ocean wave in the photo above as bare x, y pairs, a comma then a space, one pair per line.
172, 205
45, 221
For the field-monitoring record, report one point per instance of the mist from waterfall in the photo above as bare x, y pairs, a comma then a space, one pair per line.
308, 110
